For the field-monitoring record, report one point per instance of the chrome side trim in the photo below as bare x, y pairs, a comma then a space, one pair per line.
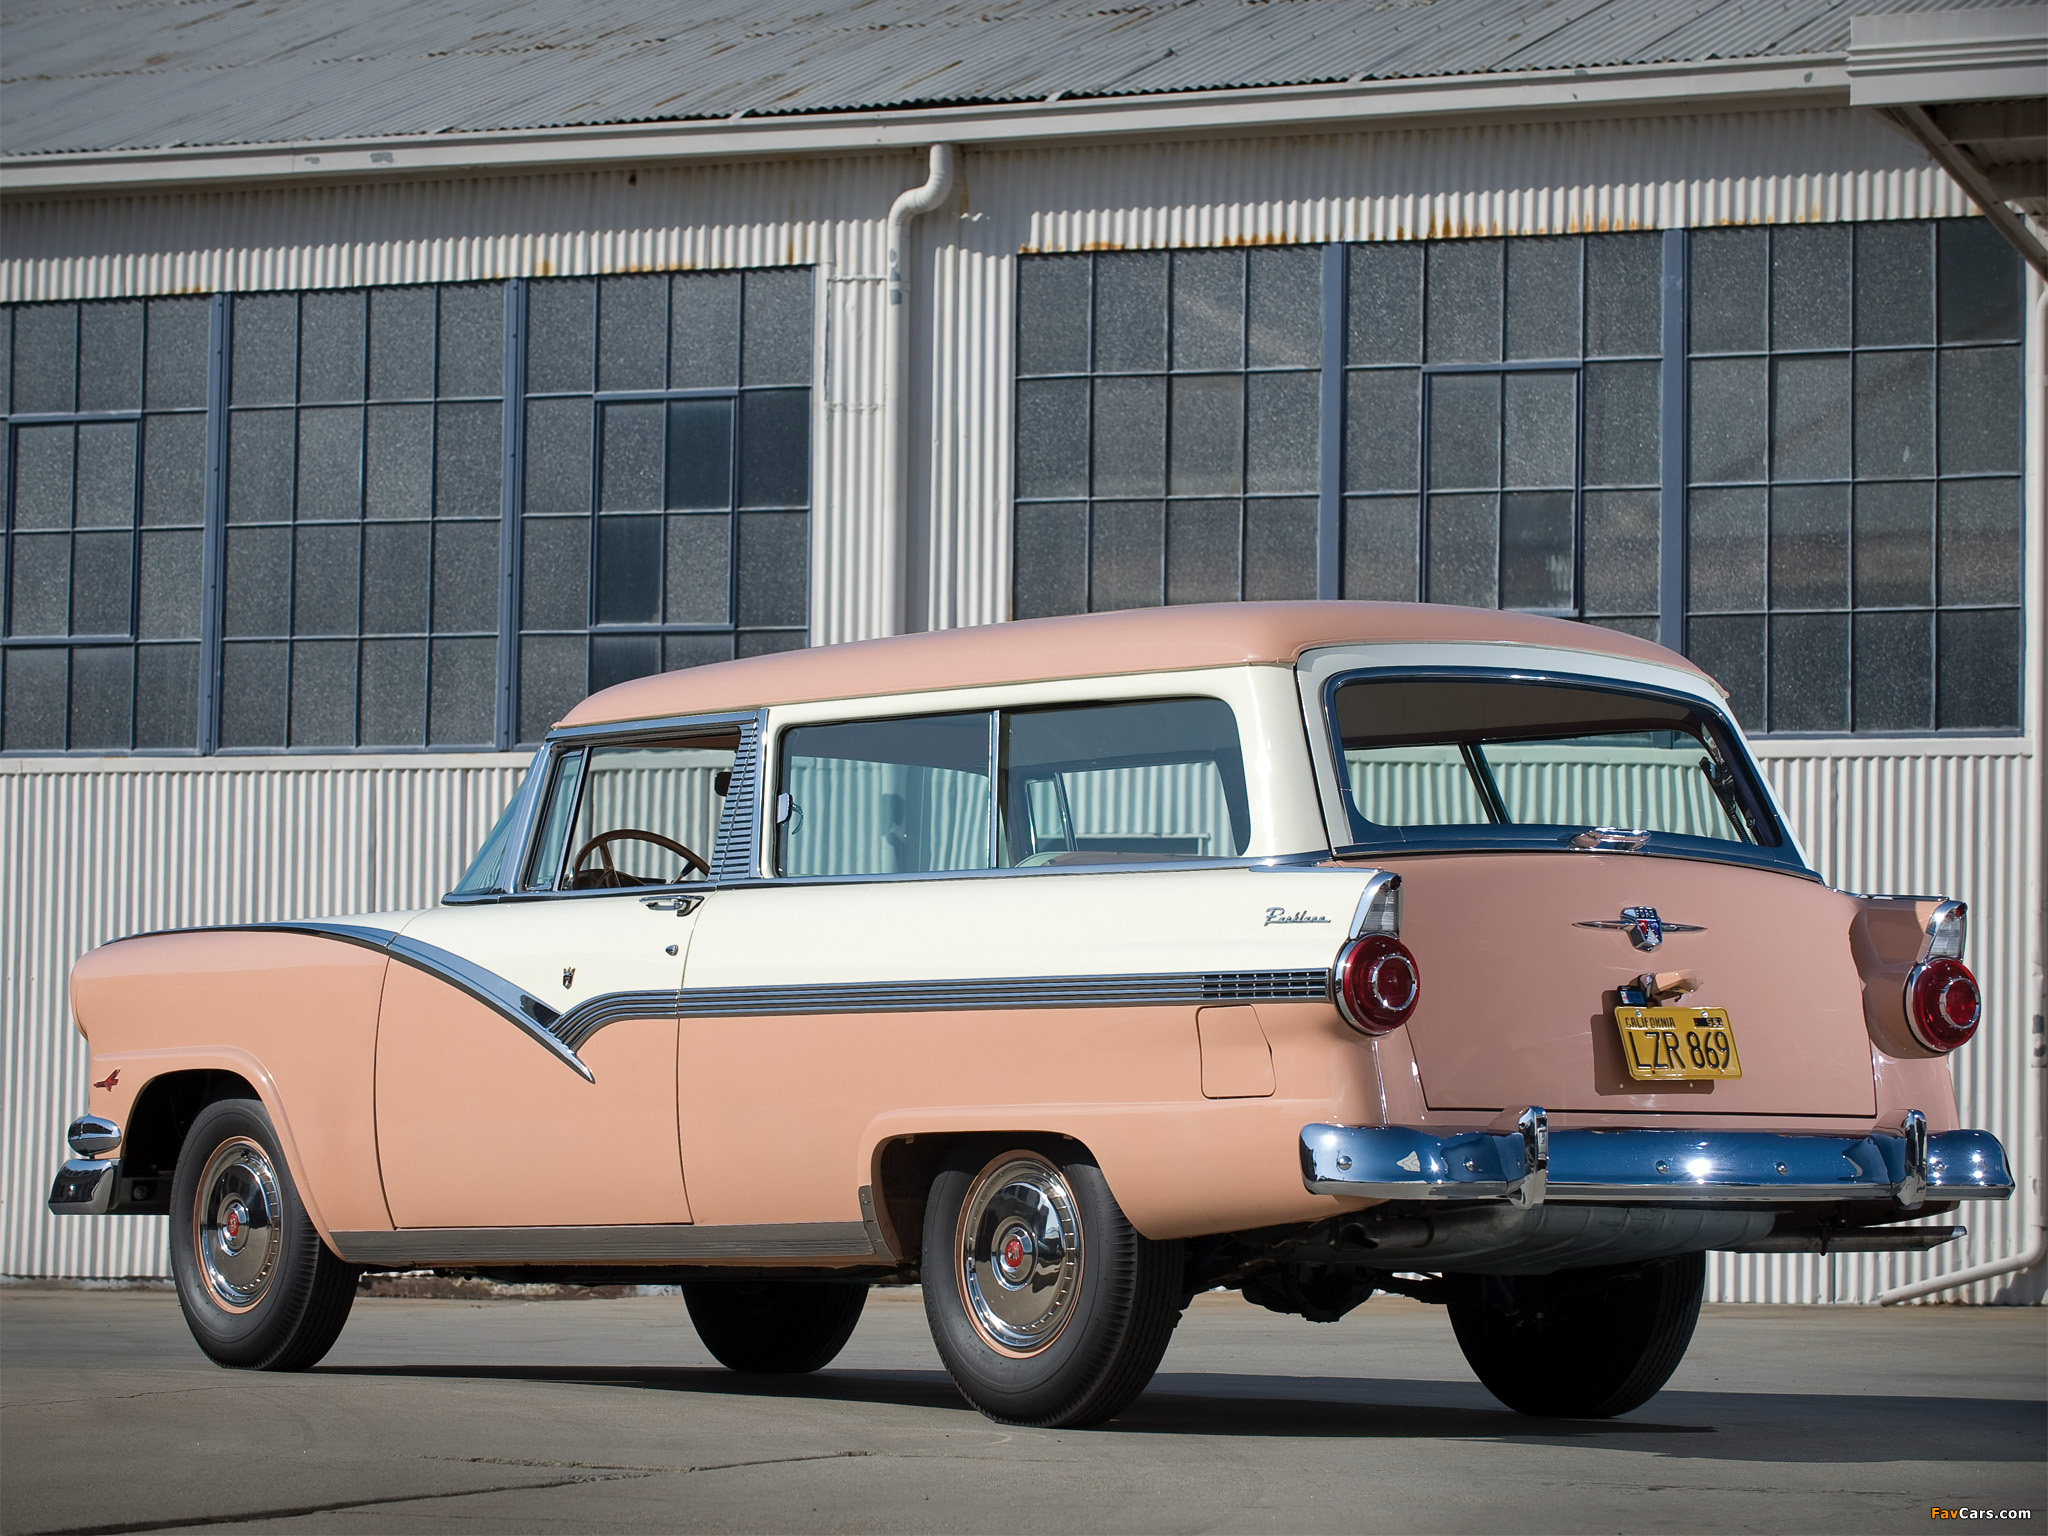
813, 1240
1382, 892
1008, 992
1647, 1166
575, 1027
84, 1187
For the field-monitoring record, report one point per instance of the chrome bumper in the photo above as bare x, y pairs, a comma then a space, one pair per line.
1532, 1163
85, 1187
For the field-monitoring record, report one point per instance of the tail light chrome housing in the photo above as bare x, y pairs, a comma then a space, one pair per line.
1943, 1004
1377, 983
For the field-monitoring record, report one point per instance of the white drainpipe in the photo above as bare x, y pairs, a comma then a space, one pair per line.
896, 393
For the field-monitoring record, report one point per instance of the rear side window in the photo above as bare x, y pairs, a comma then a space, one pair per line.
1500, 756
1141, 782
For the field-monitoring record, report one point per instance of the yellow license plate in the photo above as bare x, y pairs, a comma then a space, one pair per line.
1677, 1044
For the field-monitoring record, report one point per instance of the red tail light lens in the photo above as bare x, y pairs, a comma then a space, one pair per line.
1943, 1004
1377, 984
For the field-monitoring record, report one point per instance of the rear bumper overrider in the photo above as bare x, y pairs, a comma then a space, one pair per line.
1529, 1164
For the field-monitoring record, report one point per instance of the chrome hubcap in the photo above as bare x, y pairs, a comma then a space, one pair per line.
236, 1224
1020, 1254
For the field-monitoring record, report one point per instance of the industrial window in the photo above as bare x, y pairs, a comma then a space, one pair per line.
1854, 499
105, 469
666, 514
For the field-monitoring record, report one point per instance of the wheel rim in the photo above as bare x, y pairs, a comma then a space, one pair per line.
236, 1224
1020, 1251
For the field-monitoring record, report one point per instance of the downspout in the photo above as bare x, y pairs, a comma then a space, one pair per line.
896, 390
2037, 1152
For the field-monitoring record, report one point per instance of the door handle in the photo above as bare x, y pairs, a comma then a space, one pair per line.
680, 905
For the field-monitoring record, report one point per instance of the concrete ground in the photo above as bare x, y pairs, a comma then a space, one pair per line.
452, 1415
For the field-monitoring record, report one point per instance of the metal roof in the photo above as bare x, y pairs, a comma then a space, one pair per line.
141, 74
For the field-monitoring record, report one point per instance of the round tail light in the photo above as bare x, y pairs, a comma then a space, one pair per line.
1377, 984
1943, 1004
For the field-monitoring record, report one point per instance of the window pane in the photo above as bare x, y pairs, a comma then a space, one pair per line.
1130, 439
467, 465
261, 448
1279, 549
561, 329
552, 671
394, 692
1052, 438
1894, 666
776, 327
699, 570
1464, 537
678, 651
331, 463
1624, 295
465, 577
1202, 541
1980, 541
632, 475
628, 570
110, 367
43, 461
1727, 283
166, 695
1810, 672
253, 695
6, 359
1464, 431
1208, 309
176, 357
170, 585
555, 570
1052, 314
1052, 561
886, 797
1282, 431
1894, 285
1543, 298
401, 343
1206, 452
1624, 402
699, 453
472, 357
1726, 431
323, 694
1894, 545
1809, 547
1130, 313
704, 331
333, 328
1809, 417
1980, 282
1382, 422
1894, 413
173, 469
40, 583
632, 333
106, 475
1978, 670
1125, 542
102, 697
1731, 651
324, 580
1463, 315
1539, 429
1284, 307
264, 362
1536, 549
621, 658
102, 577
766, 642
1980, 411
1622, 543
774, 567
259, 581
775, 448
558, 456
1384, 314
1380, 538
399, 461
1810, 286
396, 571
46, 370
35, 695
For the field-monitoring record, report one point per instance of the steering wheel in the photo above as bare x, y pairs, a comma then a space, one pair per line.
611, 875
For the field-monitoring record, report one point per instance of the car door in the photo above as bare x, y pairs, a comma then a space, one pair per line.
526, 1060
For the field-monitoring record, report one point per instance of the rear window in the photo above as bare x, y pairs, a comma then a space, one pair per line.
1502, 760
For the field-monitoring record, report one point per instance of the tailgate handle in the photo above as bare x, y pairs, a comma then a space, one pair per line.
1611, 840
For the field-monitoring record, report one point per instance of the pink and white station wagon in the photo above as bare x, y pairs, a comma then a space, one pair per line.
1075, 967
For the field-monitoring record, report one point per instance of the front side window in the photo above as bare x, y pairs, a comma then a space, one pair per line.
629, 816
1488, 761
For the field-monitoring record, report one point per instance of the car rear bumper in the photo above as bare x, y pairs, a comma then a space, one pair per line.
1531, 1164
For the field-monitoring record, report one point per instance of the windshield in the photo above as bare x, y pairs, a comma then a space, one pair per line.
1501, 760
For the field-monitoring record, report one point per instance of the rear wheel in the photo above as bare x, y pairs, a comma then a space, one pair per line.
1048, 1307
775, 1327
1585, 1344
259, 1289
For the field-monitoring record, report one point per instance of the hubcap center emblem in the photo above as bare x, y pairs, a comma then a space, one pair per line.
1013, 1258
234, 1226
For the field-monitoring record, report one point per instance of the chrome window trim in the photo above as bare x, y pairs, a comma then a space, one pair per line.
1309, 858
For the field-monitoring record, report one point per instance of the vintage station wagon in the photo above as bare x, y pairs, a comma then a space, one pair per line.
1075, 967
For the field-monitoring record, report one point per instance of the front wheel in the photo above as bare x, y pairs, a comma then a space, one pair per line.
259, 1289
1047, 1306
775, 1327
1584, 1344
